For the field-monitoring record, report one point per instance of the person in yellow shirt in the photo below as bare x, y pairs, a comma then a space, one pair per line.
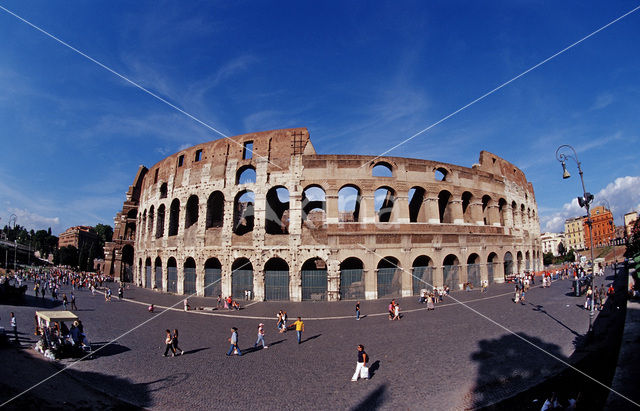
299, 329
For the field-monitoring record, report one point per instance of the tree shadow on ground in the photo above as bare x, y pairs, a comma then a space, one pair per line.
39, 302
372, 401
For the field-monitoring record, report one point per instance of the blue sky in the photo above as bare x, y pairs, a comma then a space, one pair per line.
361, 76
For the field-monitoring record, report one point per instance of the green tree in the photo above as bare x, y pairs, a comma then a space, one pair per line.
570, 256
68, 256
633, 247
547, 258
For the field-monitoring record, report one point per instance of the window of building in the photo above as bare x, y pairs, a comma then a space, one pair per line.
180, 160
155, 176
247, 150
198, 155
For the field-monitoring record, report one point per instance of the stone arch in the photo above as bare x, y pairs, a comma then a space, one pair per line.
215, 209
444, 207
151, 221
157, 280
384, 200
160, 221
417, 210
508, 264
163, 190
314, 279
147, 273
389, 277
314, 206
467, 199
277, 211
174, 217
352, 279
487, 217
349, 203
440, 173
422, 274
382, 169
241, 278
276, 280
502, 210
143, 226
523, 217
246, 175
519, 266
191, 214
451, 272
189, 279
172, 275
514, 214
527, 261
473, 270
492, 266
243, 212
212, 277
126, 273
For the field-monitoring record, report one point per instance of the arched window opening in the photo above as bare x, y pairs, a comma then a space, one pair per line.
389, 278
502, 209
382, 170
314, 280
451, 272
351, 279
486, 214
243, 215
441, 174
417, 212
163, 190
212, 277
444, 208
143, 227
246, 175
215, 209
276, 280
151, 220
508, 264
523, 216
147, 273
314, 207
160, 222
384, 199
422, 275
157, 281
174, 217
467, 197
191, 216
189, 284
277, 211
348, 204
172, 275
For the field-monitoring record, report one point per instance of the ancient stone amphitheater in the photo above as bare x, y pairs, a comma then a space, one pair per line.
263, 212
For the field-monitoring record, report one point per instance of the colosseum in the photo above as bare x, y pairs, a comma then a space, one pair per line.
262, 212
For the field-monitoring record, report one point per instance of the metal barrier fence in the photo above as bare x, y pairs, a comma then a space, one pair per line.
314, 285
158, 279
172, 279
451, 276
189, 281
351, 284
147, 276
473, 274
508, 268
212, 276
389, 282
490, 271
241, 280
276, 285
422, 279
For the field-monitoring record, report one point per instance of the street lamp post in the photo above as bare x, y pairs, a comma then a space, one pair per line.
583, 201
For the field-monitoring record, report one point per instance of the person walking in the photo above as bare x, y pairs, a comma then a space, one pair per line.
14, 326
167, 343
174, 343
299, 329
120, 293
73, 302
362, 370
233, 340
358, 310
430, 305
64, 301
260, 337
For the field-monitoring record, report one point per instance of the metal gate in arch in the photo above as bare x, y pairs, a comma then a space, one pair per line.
276, 285
389, 282
314, 285
172, 279
451, 277
158, 279
490, 271
241, 280
147, 276
422, 279
351, 284
189, 280
212, 287
473, 274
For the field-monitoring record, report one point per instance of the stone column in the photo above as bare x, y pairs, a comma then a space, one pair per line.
498, 272
370, 284
258, 285
438, 276
400, 212
331, 200
493, 215
180, 285
333, 280
407, 281
431, 209
165, 273
367, 209
477, 216
456, 211
225, 277
200, 278
295, 283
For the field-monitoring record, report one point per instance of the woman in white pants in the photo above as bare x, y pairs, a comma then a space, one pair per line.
361, 366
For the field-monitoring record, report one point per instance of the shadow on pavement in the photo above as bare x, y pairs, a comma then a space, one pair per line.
196, 350
540, 308
310, 338
38, 302
106, 349
373, 368
372, 401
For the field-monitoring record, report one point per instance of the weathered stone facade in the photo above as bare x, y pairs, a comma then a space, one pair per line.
263, 211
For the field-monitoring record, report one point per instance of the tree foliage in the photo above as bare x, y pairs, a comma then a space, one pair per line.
633, 247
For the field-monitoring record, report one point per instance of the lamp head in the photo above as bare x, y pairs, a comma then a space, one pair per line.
565, 172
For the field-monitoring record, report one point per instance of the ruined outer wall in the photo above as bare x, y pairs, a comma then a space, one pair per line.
491, 213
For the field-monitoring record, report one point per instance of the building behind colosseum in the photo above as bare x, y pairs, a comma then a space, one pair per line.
264, 212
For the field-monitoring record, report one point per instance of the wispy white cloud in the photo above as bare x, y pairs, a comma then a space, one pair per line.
32, 220
602, 101
623, 195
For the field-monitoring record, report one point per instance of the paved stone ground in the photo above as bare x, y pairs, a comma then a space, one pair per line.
455, 357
